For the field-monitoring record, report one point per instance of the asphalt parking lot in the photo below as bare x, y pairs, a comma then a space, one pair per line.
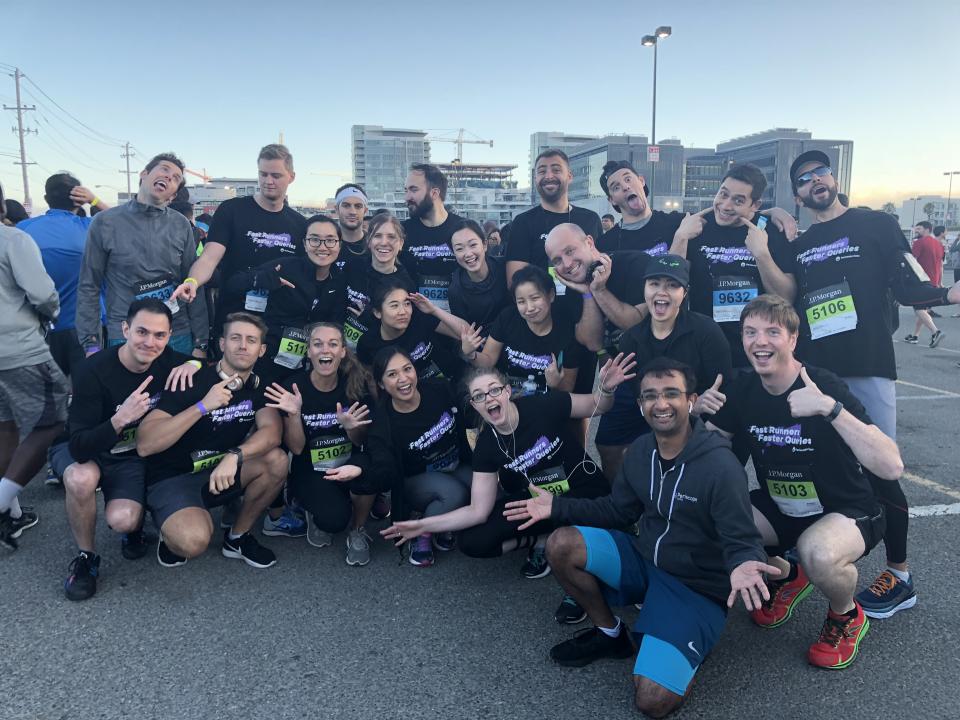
314, 638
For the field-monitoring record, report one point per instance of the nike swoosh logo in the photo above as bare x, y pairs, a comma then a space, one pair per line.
690, 645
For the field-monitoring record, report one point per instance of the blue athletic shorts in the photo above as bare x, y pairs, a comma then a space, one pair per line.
679, 625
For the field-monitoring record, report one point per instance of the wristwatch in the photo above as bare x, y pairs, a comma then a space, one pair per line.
202, 345
239, 453
832, 415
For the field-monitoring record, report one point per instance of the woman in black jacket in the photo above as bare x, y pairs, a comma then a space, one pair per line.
478, 287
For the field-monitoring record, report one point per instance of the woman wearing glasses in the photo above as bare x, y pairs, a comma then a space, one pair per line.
302, 290
523, 441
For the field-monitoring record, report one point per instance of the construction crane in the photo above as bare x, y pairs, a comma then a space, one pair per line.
203, 176
460, 141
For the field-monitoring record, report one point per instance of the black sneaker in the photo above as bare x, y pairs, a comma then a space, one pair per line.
445, 541
82, 582
591, 644
911, 339
28, 518
569, 612
167, 557
247, 548
936, 338
7, 529
134, 546
381, 507
536, 565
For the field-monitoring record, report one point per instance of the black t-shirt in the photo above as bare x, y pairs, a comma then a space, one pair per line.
525, 354
432, 437
353, 252
252, 236
290, 310
327, 444
844, 268
802, 462
481, 302
540, 450
203, 445
101, 384
418, 340
724, 275
654, 238
431, 256
626, 284
362, 284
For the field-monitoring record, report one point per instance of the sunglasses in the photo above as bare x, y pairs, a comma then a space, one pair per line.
808, 176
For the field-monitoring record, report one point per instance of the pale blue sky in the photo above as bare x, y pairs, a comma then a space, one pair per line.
215, 80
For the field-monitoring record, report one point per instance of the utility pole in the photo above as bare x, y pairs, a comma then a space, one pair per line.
21, 131
127, 155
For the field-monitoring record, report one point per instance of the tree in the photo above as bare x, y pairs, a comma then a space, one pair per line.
928, 210
889, 208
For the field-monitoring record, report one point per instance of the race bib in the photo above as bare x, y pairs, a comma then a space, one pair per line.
204, 460
126, 443
830, 310
160, 289
553, 480
330, 452
256, 300
293, 346
731, 295
447, 461
353, 330
436, 289
793, 491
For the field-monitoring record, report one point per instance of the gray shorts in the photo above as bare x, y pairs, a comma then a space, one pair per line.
33, 396
121, 480
166, 497
879, 397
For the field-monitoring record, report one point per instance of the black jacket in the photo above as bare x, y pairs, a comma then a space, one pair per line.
695, 522
481, 302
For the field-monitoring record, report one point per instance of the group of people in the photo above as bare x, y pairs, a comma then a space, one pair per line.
319, 374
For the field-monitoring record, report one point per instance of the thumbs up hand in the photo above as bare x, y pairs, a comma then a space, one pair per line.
712, 399
809, 400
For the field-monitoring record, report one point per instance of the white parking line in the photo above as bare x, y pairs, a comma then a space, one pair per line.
934, 510
932, 484
924, 397
931, 389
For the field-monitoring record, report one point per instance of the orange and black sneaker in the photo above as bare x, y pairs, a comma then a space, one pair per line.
839, 639
784, 597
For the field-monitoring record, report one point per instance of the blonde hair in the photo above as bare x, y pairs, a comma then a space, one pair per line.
276, 151
775, 309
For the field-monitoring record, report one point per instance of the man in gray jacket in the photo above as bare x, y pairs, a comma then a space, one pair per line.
137, 250
33, 391
697, 549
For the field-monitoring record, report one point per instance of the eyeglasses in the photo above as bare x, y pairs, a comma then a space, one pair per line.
668, 395
330, 242
819, 172
494, 392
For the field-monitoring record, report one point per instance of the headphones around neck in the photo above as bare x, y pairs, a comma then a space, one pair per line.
251, 383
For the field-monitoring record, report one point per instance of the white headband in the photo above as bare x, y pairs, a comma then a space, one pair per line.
349, 192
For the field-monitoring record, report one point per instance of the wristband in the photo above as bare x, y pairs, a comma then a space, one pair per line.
95, 201
196, 363
588, 296
604, 391
201, 407
837, 409
193, 280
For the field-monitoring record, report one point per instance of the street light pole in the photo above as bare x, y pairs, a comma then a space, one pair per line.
664, 31
946, 211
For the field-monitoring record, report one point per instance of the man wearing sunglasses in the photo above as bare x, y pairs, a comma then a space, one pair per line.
846, 266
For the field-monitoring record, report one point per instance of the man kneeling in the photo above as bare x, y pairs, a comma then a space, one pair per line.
697, 549
201, 455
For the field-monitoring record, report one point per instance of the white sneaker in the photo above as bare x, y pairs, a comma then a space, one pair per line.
315, 536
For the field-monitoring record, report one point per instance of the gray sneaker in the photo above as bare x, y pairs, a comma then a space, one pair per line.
315, 536
358, 547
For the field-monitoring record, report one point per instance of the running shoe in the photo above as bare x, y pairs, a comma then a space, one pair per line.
887, 595
28, 518
839, 639
133, 546
381, 507
592, 644
167, 557
569, 612
784, 598
7, 529
444, 542
536, 565
52, 478
315, 536
82, 581
358, 547
421, 551
936, 338
287, 525
247, 548
912, 339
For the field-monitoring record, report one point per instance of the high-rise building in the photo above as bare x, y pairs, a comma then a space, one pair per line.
382, 158
540, 141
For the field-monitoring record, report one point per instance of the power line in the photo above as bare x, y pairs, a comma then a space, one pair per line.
51, 128
106, 138
54, 113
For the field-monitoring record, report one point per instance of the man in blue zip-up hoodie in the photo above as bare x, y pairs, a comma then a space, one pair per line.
697, 549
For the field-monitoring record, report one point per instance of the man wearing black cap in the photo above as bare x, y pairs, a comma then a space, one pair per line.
845, 265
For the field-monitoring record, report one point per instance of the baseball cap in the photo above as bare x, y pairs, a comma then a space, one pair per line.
808, 157
671, 266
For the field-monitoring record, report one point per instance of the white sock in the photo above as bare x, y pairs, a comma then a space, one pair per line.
899, 574
15, 511
234, 536
612, 632
8, 494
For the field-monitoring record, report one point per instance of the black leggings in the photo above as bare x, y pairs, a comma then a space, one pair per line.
486, 540
894, 502
327, 501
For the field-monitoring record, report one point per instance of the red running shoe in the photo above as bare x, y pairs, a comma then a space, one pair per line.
784, 597
839, 639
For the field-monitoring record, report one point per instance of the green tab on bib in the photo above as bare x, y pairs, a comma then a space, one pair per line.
830, 310
327, 453
794, 492
293, 346
127, 441
204, 460
553, 480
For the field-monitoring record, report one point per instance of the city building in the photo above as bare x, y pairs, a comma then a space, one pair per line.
382, 157
932, 208
703, 171
540, 141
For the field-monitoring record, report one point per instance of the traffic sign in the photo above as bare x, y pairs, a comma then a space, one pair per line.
653, 153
